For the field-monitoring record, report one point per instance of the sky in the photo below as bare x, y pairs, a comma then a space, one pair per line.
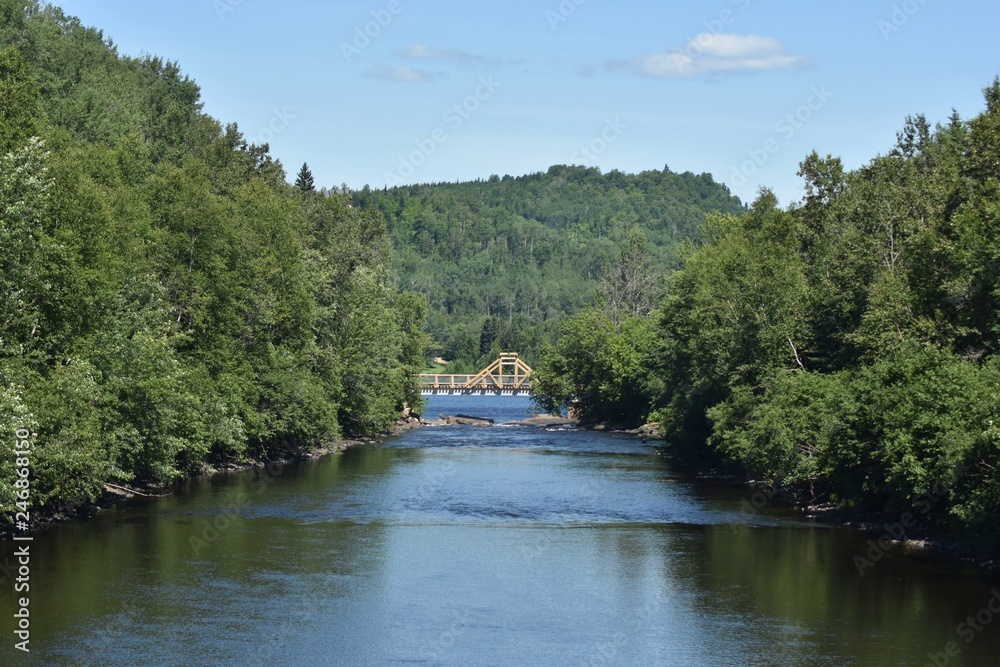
386, 92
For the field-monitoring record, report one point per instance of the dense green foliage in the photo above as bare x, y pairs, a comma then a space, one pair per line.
166, 299
508, 259
846, 348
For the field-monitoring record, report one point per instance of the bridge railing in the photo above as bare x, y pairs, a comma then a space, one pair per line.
460, 380
491, 378
465, 381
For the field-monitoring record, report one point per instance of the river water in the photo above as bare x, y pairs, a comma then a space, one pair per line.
496, 546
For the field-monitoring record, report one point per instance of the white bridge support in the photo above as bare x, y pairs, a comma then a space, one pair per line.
433, 391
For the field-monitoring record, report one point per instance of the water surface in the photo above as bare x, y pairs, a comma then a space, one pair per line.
499, 546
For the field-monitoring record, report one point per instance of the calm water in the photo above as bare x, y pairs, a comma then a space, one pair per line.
503, 546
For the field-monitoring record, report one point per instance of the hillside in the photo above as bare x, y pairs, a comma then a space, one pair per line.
167, 300
504, 261
846, 349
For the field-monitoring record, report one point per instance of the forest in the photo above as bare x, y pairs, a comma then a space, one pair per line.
844, 349
504, 261
167, 299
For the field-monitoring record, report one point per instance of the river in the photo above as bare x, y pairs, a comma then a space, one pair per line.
485, 546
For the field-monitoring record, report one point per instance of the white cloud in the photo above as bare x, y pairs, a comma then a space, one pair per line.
402, 74
709, 54
425, 52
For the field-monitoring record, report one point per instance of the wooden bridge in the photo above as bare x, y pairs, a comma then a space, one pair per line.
507, 376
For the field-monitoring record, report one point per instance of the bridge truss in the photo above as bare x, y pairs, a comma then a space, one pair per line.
507, 376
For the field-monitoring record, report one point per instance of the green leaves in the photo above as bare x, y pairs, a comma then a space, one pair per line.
599, 367
784, 433
532, 250
844, 348
166, 299
21, 113
24, 204
305, 181
984, 142
369, 348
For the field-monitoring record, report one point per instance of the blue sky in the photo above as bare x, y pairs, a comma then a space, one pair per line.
399, 91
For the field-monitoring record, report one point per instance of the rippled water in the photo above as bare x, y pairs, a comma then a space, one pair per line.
500, 546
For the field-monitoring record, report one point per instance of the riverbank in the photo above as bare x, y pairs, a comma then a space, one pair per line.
888, 531
115, 494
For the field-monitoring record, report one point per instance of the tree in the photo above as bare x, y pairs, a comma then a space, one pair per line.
304, 181
167, 299
25, 187
532, 249
846, 349
601, 367
20, 110
491, 331
411, 308
630, 286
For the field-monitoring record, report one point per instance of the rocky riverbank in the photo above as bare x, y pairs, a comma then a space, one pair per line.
887, 531
117, 493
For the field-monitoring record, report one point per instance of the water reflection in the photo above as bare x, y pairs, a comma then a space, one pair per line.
464, 546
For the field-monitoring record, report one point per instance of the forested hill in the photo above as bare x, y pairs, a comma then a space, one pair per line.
503, 261
846, 349
167, 300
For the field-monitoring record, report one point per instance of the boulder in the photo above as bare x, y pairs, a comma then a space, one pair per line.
546, 420
466, 420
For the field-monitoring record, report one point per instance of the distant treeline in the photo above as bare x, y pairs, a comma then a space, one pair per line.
166, 298
845, 349
504, 261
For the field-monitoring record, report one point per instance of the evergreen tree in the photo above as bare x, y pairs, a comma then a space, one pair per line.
304, 181
491, 331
